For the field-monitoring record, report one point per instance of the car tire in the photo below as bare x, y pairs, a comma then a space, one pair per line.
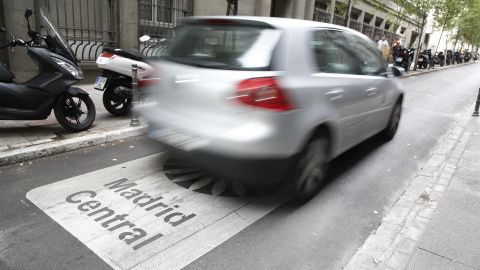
310, 172
389, 132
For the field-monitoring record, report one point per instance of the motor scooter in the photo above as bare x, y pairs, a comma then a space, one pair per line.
449, 57
404, 58
424, 58
116, 77
51, 89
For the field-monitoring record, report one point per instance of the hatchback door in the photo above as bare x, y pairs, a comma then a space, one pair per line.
204, 67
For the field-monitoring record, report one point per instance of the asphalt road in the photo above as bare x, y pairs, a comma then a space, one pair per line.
322, 233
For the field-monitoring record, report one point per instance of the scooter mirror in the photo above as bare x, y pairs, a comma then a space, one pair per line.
28, 13
144, 38
2, 29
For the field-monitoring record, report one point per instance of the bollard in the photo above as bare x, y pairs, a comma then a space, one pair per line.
475, 113
134, 122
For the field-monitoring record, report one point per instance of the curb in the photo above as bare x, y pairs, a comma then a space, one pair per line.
57, 147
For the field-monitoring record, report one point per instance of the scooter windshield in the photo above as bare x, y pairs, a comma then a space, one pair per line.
60, 43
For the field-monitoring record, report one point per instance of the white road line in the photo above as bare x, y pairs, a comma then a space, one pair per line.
133, 217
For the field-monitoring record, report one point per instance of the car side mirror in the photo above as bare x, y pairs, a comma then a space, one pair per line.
397, 71
28, 13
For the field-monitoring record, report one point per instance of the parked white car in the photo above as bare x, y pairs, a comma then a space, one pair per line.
262, 100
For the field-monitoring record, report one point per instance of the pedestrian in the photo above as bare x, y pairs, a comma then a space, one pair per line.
383, 48
395, 50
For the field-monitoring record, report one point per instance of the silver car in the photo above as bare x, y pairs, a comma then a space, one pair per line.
263, 100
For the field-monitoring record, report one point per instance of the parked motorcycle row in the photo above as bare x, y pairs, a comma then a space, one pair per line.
51, 89
441, 59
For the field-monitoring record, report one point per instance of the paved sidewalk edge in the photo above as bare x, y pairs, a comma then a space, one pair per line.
57, 147
394, 242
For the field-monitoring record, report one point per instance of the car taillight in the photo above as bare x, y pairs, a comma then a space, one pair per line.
263, 93
148, 82
107, 55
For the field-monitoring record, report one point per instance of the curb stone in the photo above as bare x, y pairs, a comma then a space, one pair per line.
410, 215
57, 147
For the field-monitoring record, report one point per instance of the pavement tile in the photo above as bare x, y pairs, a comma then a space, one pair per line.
414, 233
426, 212
453, 230
421, 222
399, 260
467, 185
426, 260
407, 246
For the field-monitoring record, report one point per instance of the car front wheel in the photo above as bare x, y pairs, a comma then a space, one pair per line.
389, 132
311, 168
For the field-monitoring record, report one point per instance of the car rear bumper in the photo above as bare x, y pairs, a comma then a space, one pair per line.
260, 174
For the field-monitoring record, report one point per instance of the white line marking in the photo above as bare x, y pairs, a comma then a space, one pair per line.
133, 217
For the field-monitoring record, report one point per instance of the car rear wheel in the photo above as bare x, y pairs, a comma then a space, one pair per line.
389, 132
311, 168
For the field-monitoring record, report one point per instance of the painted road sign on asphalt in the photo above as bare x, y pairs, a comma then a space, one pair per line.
151, 213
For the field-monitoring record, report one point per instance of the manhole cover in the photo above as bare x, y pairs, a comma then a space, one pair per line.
193, 179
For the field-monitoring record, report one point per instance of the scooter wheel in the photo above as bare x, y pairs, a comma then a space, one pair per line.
70, 118
114, 104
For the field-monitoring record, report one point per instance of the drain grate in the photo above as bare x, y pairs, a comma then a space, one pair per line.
193, 179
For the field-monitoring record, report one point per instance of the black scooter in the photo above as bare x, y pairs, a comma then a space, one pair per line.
404, 58
424, 58
51, 89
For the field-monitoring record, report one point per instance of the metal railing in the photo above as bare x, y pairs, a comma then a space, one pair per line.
88, 25
338, 20
378, 33
158, 18
321, 16
367, 30
355, 25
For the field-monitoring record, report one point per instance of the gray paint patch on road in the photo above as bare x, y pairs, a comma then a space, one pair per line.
133, 217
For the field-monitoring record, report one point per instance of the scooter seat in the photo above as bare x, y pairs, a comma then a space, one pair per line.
127, 53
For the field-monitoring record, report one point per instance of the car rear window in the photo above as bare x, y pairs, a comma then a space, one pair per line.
223, 46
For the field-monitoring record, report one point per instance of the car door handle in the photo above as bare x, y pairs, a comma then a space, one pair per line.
371, 91
335, 94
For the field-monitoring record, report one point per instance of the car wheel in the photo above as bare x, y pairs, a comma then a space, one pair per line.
311, 168
389, 132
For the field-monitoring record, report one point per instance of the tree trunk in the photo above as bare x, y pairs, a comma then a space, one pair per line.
347, 13
419, 43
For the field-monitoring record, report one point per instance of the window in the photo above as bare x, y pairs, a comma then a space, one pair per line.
333, 53
221, 46
370, 62
156, 10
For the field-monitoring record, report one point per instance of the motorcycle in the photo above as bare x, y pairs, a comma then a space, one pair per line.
467, 56
439, 59
424, 58
116, 77
51, 88
458, 58
449, 57
404, 58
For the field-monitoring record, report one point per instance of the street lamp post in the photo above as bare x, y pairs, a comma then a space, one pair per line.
477, 105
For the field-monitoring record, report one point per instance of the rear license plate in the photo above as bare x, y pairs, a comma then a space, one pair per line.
399, 59
420, 59
100, 83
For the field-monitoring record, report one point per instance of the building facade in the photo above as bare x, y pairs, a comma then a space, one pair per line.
90, 25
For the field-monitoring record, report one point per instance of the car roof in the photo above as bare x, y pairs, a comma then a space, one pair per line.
280, 23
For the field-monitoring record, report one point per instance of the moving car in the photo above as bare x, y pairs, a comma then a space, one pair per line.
264, 100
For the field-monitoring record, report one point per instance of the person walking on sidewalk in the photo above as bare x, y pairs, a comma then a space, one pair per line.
383, 48
395, 50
